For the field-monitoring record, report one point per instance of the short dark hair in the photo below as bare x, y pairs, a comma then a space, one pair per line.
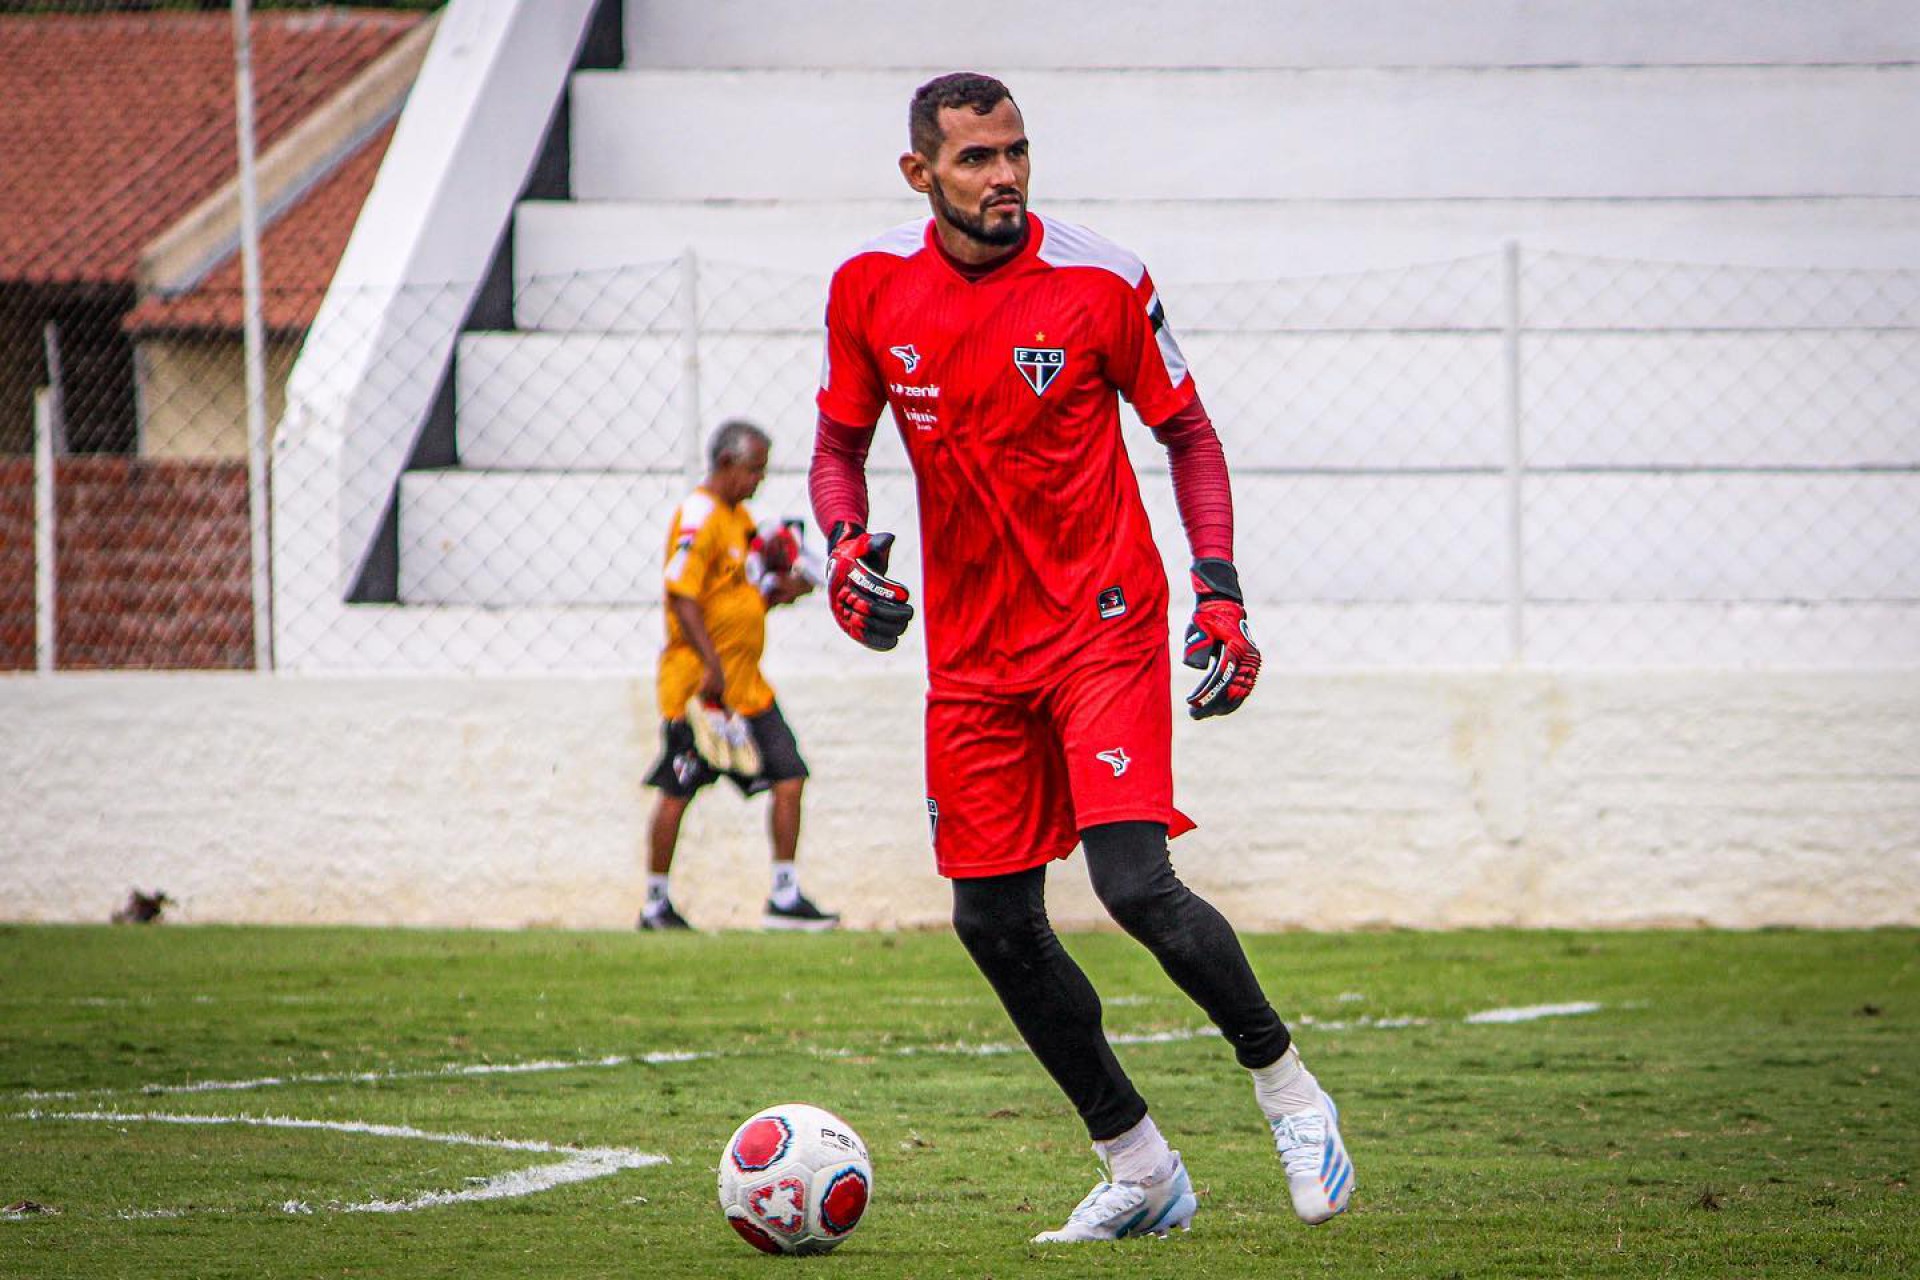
731, 440
968, 89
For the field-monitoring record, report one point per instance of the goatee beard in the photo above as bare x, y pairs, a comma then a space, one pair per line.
974, 225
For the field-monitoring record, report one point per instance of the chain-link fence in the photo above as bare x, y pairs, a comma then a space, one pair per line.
1721, 463
1550, 459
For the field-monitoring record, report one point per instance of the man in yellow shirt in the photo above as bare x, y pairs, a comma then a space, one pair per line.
718, 591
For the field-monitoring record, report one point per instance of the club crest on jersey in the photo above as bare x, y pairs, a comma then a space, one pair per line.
1116, 758
1039, 365
907, 356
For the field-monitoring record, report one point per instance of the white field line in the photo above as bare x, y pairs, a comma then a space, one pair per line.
1526, 1013
369, 1077
1523, 1013
1532, 1012
1365, 1022
1174, 1036
579, 1164
991, 1050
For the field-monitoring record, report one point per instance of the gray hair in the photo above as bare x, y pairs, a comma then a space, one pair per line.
732, 439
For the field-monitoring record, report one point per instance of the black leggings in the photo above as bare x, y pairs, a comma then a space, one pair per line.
1002, 922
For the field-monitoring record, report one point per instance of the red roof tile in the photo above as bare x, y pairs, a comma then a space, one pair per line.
113, 127
298, 254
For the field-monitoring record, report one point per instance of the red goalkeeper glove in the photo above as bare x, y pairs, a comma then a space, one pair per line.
777, 543
1218, 642
868, 605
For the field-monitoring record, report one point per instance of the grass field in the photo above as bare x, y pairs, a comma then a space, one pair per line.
1737, 1105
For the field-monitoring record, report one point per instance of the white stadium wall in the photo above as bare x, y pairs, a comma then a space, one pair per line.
1330, 802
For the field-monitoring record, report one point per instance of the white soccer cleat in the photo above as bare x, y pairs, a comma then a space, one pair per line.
1319, 1170
1117, 1210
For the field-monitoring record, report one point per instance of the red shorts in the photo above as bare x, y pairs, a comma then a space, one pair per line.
1013, 778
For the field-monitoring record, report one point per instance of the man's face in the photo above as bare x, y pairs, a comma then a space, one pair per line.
738, 478
977, 182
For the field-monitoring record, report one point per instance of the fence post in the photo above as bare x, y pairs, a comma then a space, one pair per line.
45, 568
690, 363
56, 383
1516, 462
254, 338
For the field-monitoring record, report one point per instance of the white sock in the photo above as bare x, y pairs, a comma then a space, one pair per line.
656, 894
1285, 1086
1138, 1155
786, 885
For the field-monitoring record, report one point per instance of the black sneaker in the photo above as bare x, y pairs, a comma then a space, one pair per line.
666, 919
801, 915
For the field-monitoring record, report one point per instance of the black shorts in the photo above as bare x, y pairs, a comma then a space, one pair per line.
681, 771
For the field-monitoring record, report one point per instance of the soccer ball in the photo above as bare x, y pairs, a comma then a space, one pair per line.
794, 1179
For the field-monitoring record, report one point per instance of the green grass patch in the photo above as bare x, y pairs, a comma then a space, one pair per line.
1741, 1104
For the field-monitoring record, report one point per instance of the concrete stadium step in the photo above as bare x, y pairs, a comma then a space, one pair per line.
608, 264
1282, 401
498, 539
1441, 133
550, 402
1004, 34
491, 538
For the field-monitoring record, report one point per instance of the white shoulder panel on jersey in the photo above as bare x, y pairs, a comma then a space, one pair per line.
1067, 244
902, 241
695, 510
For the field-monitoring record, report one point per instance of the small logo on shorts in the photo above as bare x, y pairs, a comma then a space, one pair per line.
933, 819
1117, 758
686, 767
1113, 602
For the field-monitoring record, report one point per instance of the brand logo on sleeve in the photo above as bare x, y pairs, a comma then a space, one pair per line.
1039, 365
907, 356
1117, 758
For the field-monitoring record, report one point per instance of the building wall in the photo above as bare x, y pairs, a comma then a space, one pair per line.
192, 395
1331, 802
16, 564
22, 369
152, 564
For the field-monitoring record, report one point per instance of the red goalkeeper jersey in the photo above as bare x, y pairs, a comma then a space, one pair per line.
1005, 389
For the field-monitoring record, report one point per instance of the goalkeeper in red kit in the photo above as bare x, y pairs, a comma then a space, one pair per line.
1002, 342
